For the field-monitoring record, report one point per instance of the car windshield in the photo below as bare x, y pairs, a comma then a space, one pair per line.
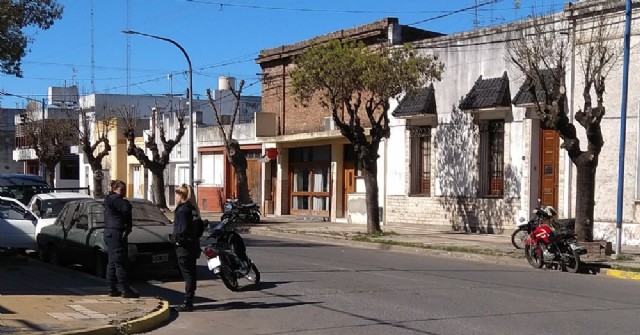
144, 214
23, 193
51, 208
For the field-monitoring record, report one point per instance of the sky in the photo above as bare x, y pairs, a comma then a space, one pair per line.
222, 38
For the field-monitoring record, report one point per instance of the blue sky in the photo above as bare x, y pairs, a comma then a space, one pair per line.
222, 37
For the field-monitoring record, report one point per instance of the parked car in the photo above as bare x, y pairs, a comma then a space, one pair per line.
22, 186
20, 224
77, 237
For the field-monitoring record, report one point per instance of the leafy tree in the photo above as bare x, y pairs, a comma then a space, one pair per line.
234, 154
15, 16
541, 54
160, 152
360, 80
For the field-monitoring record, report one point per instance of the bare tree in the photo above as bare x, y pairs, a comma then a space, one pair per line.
49, 138
234, 154
93, 129
541, 54
160, 152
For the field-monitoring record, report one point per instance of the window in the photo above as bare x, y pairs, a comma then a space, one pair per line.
420, 160
212, 169
70, 168
491, 158
310, 180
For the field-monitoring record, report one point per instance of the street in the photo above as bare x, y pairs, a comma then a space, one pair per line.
310, 288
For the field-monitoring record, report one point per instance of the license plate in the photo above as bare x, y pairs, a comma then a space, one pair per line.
160, 258
213, 263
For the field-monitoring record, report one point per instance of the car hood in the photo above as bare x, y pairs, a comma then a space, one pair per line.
150, 234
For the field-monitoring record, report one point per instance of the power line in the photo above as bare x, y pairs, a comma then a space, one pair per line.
455, 12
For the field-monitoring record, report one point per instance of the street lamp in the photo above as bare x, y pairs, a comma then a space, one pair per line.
191, 169
42, 172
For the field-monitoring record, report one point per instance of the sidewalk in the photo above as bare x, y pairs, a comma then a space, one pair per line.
38, 298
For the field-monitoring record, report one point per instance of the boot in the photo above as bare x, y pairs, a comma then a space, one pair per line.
113, 291
129, 293
185, 307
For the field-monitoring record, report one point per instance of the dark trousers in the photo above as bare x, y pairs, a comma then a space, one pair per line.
118, 251
187, 262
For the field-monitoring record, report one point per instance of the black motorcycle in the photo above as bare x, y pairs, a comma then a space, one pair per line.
244, 212
227, 255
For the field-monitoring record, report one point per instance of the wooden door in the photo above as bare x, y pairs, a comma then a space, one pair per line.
549, 162
349, 184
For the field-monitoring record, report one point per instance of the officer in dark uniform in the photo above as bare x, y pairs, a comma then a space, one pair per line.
118, 223
187, 242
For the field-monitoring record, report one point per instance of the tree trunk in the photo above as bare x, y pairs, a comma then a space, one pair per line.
371, 186
98, 190
158, 188
51, 173
239, 163
585, 195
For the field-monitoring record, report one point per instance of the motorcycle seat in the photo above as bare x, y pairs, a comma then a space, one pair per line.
249, 205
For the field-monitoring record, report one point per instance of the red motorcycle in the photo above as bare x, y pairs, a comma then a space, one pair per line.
554, 244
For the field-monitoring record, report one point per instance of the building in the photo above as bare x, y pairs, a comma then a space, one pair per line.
8, 140
316, 167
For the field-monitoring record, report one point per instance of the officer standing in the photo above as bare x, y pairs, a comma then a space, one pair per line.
187, 242
118, 223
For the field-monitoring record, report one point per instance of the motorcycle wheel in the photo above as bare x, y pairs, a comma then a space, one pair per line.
253, 275
571, 261
229, 278
255, 218
518, 237
534, 256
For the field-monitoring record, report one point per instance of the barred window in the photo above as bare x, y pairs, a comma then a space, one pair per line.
420, 160
491, 158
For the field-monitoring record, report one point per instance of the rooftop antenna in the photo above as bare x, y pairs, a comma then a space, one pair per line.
516, 6
93, 51
475, 16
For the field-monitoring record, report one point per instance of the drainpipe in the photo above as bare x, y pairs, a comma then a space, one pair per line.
384, 193
568, 165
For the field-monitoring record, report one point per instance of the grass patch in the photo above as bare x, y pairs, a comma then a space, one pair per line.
623, 257
625, 268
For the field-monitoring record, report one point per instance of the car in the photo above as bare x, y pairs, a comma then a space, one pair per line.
22, 186
77, 237
20, 224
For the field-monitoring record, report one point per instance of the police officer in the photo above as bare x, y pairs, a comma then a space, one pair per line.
187, 242
118, 223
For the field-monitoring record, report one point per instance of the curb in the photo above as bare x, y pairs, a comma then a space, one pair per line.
141, 325
623, 274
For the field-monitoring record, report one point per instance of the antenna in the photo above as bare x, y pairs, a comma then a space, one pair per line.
516, 6
475, 16
128, 45
93, 51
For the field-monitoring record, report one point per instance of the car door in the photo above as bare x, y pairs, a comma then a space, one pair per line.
17, 225
77, 249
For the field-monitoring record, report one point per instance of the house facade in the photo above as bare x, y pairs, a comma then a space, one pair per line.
315, 169
475, 154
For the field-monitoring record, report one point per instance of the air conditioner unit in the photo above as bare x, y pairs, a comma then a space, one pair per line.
329, 124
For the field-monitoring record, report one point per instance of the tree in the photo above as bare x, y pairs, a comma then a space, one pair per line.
49, 138
541, 54
360, 80
15, 16
235, 155
160, 152
93, 138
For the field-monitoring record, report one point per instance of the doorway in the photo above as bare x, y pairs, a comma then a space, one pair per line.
549, 162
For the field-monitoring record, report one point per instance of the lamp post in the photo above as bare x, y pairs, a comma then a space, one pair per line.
42, 172
191, 164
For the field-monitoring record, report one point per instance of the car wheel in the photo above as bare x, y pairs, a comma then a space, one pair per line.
100, 264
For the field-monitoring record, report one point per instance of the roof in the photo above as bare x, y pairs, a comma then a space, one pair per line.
420, 102
62, 195
371, 33
524, 95
488, 93
12, 179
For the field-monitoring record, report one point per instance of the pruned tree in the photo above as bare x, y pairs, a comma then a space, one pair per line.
92, 129
355, 83
541, 54
160, 152
49, 138
235, 155
15, 16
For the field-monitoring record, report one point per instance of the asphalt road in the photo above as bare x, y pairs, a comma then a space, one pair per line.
310, 288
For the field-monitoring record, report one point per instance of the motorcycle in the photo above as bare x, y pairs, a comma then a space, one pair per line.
554, 245
245, 212
525, 227
227, 255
